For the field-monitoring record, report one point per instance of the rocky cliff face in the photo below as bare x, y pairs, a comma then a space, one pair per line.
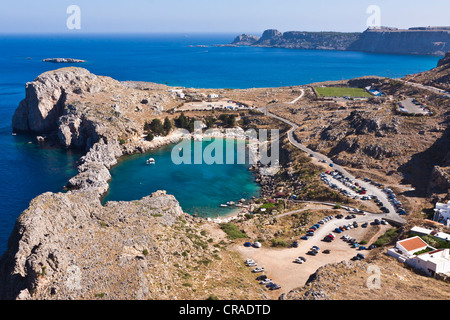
428, 41
433, 42
245, 40
302, 40
67, 245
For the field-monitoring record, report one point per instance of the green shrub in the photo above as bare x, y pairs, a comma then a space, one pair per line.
278, 243
232, 231
386, 238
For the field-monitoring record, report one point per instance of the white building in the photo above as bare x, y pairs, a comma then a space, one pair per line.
442, 213
411, 245
213, 96
436, 261
434, 233
431, 262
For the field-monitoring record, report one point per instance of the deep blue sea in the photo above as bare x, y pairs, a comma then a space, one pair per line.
27, 170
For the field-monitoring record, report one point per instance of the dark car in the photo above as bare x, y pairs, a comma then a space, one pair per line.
294, 244
327, 251
260, 278
247, 244
275, 287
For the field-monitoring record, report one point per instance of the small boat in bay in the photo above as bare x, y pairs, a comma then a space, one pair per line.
151, 161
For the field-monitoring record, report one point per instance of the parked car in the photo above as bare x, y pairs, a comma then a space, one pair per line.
327, 251
257, 245
364, 225
247, 244
298, 260
259, 269
310, 234
304, 238
266, 281
262, 277
275, 287
294, 244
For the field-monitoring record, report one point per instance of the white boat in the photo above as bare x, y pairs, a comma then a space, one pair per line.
151, 161
223, 205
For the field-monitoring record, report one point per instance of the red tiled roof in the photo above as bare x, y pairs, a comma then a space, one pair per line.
412, 243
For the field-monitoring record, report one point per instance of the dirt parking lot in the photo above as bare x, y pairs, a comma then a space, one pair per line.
278, 263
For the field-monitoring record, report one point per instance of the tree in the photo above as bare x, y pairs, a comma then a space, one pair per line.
229, 120
149, 136
210, 121
157, 126
182, 122
167, 125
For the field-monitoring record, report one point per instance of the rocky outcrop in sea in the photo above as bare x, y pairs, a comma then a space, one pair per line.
63, 60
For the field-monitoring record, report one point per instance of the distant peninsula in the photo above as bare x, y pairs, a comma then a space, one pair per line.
419, 41
63, 60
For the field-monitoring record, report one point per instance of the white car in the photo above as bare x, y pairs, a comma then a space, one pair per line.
266, 281
298, 260
259, 269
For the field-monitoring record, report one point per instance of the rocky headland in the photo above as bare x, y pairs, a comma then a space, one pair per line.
69, 246
426, 41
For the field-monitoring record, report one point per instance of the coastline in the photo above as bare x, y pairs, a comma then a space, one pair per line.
176, 136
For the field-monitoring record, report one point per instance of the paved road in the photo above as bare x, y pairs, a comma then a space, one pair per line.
421, 86
382, 196
299, 97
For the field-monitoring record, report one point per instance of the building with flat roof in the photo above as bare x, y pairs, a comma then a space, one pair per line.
431, 263
442, 213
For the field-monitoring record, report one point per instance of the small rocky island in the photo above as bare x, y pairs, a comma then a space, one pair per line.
64, 60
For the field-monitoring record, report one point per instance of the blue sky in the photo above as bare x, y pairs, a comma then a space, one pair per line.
230, 16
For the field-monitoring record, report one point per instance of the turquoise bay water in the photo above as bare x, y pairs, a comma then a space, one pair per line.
199, 188
26, 170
